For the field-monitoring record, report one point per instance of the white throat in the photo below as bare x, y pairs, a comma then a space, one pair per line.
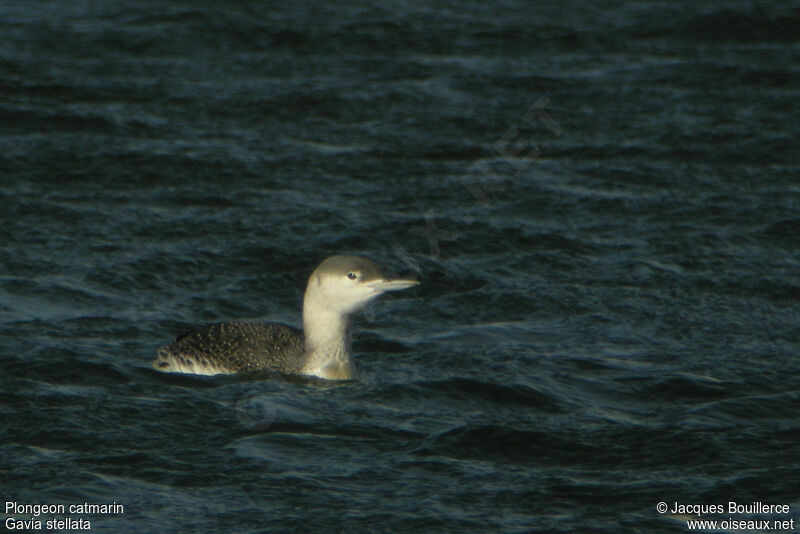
327, 340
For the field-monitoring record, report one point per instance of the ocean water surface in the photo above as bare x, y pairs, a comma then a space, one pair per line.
601, 201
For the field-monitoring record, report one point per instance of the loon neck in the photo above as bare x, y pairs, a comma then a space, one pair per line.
327, 341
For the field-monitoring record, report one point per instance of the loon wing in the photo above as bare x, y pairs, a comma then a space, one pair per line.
225, 348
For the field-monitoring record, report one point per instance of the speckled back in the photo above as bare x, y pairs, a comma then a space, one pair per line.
234, 347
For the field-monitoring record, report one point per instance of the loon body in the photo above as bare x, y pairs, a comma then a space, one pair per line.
338, 288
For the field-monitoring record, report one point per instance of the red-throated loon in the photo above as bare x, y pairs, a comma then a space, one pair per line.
337, 289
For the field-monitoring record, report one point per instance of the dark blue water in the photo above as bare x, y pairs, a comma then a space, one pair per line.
601, 200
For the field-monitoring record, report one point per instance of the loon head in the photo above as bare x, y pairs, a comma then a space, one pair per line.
345, 284
337, 289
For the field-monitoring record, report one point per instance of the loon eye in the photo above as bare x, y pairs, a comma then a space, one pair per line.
352, 276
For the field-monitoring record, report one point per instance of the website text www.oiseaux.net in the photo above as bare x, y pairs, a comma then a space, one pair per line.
770, 519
